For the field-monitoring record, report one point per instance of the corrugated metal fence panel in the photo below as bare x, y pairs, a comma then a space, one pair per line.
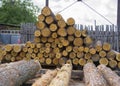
15, 39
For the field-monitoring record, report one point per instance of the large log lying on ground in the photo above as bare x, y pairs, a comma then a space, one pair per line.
16, 73
63, 76
46, 78
112, 78
92, 76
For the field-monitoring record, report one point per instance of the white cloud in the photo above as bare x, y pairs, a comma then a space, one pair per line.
83, 14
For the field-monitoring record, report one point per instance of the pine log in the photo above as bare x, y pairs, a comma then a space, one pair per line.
58, 55
56, 50
53, 27
81, 48
118, 65
27, 44
40, 55
111, 55
106, 46
75, 61
75, 49
49, 20
62, 61
63, 76
103, 61
13, 53
88, 41
65, 43
48, 61
69, 48
33, 55
72, 55
71, 30
112, 78
87, 56
86, 49
61, 23
95, 57
50, 39
18, 47
24, 49
58, 17
92, 51
45, 32
39, 45
70, 21
37, 33
112, 63
98, 46
44, 39
84, 33
35, 50
37, 40
46, 11
92, 76
16, 73
80, 54
82, 61
30, 50
77, 33
42, 60
8, 47
62, 32
118, 56
78, 42
7, 57
22, 54
48, 45
102, 53
70, 38
41, 17
47, 50
54, 35
40, 25
46, 78
32, 45
55, 61
65, 53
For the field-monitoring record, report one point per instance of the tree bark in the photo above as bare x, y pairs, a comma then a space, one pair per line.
92, 76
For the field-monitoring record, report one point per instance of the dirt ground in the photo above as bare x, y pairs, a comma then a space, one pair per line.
76, 83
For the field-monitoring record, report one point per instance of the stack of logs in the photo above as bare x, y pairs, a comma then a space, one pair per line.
56, 42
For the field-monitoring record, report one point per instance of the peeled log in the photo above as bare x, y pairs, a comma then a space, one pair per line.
92, 76
16, 73
112, 78
46, 78
63, 76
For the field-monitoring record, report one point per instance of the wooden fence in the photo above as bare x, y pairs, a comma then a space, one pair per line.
104, 33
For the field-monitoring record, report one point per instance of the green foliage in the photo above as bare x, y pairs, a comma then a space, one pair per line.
17, 11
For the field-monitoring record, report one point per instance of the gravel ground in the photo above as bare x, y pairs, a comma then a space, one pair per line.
76, 83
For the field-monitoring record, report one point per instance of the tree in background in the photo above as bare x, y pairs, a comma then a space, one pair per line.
17, 11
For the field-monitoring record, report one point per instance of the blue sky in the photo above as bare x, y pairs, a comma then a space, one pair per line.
83, 14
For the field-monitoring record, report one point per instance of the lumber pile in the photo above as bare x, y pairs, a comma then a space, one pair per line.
57, 42
16, 73
57, 77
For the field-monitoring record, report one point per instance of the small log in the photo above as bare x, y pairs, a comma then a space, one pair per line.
61, 24
118, 65
27, 44
81, 48
77, 33
53, 27
86, 49
62, 32
75, 61
111, 55
22, 54
82, 61
42, 60
30, 50
35, 50
72, 55
38, 45
33, 55
16, 73
32, 45
24, 49
41, 17
87, 56
47, 45
49, 20
18, 47
54, 35
58, 17
92, 76
80, 54
88, 41
64, 53
112, 63
48, 61
46, 11
47, 50
37, 33
40, 55
50, 39
95, 57
37, 40
40, 25
75, 49
102, 53
65, 43
118, 56
69, 48
92, 51
70, 38
84, 33
7, 57
58, 55
55, 61
106, 46
13, 53
98, 46
44, 39
62, 61
78, 42
8, 47
70, 21
112, 78
46, 78
71, 30
103, 61
45, 32
56, 50
63, 76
